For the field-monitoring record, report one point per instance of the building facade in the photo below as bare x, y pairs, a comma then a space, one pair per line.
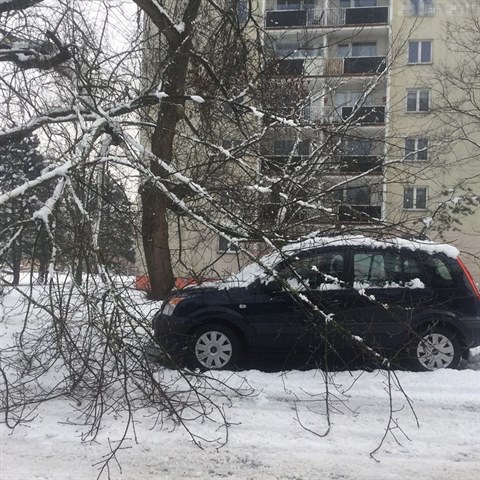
372, 95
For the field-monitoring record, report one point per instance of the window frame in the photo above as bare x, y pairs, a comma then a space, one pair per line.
401, 278
355, 4
292, 48
413, 155
295, 5
415, 189
418, 101
351, 45
286, 269
230, 247
421, 8
419, 51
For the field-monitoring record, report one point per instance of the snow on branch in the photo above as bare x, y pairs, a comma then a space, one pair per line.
60, 171
162, 19
46, 210
59, 115
30, 53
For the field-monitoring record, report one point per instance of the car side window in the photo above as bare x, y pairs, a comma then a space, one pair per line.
438, 272
413, 274
318, 271
377, 269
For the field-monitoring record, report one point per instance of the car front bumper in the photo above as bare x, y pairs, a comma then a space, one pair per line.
171, 333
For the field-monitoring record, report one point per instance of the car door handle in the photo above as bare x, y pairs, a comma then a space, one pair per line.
335, 302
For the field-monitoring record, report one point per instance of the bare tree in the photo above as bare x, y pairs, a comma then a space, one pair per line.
232, 144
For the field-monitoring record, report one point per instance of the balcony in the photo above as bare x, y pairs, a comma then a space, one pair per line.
333, 17
364, 65
364, 115
290, 66
278, 163
355, 66
359, 213
366, 16
285, 18
355, 164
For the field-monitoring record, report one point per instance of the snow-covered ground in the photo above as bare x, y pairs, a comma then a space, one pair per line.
275, 430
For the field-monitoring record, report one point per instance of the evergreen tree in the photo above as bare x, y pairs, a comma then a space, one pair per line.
20, 162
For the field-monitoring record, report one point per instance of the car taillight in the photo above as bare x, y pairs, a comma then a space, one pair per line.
470, 279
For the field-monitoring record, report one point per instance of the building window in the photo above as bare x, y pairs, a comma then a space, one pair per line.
359, 49
354, 195
240, 8
420, 8
359, 147
225, 246
418, 100
416, 149
415, 198
295, 4
234, 148
296, 48
286, 147
420, 51
357, 3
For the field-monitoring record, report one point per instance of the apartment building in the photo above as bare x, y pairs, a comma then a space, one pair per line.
371, 88
384, 65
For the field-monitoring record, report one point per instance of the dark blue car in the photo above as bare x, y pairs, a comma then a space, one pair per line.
395, 300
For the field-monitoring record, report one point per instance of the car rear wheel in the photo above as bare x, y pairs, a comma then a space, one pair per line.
435, 349
216, 347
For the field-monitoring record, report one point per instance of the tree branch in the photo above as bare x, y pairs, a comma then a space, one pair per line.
14, 5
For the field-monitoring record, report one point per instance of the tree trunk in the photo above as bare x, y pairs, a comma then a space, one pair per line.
154, 204
78, 273
155, 243
43, 271
154, 201
16, 260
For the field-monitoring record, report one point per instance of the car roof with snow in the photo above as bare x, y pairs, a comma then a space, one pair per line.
261, 267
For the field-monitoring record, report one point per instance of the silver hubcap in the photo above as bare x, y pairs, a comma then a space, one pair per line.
435, 351
213, 349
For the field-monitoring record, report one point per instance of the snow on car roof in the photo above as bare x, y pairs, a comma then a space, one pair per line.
257, 269
312, 241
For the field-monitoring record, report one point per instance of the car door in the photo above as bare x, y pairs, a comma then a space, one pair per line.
379, 304
299, 313
273, 312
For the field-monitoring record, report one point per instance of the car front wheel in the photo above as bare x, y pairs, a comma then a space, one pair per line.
216, 347
435, 349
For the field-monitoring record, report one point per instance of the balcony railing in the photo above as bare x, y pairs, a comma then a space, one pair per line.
290, 66
277, 163
285, 18
364, 114
313, 17
358, 164
359, 213
355, 65
366, 15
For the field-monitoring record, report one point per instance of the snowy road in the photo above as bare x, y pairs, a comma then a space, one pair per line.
267, 442
273, 433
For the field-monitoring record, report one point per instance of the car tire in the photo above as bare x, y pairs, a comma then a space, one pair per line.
435, 348
216, 347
